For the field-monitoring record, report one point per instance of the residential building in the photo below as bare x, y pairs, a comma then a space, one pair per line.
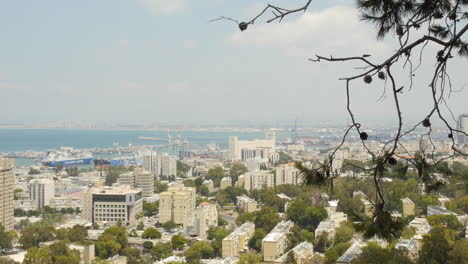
256, 180
144, 181
408, 207
139, 178
205, 216
327, 227
462, 125
160, 165
41, 191
246, 204
409, 247
64, 202
177, 204
303, 252
351, 253
109, 205
238, 241
241, 181
226, 182
250, 149
274, 244
256, 164
128, 179
422, 227
288, 174
209, 184
438, 210
7, 187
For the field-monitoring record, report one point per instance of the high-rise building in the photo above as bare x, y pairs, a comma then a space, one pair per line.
250, 149
145, 181
463, 126
7, 186
139, 178
112, 204
274, 244
287, 174
160, 165
41, 191
256, 180
177, 204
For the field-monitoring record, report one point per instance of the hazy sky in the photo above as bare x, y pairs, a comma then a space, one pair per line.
161, 60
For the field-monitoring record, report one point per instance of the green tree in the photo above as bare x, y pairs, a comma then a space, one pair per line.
344, 233
159, 187
435, 247
178, 242
307, 217
250, 258
450, 221
5, 239
33, 235
199, 250
169, 225
151, 233
7, 260
459, 253
255, 241
215, 174
284, 158
150, 209
147, 245
235, 171
245, 217
77, 233
133, 255
35, 255
373, 253
322, 242
140, 226
62, 254
160, 251
267, 218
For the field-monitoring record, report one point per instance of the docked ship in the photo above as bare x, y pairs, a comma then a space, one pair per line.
66, 158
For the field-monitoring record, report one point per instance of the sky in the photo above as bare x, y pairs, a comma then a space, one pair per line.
161, 60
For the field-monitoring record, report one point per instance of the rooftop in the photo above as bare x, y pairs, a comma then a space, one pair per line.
280, 229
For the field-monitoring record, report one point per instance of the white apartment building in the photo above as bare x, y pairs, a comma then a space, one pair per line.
139, 178
255, 164
246, 204
112, 204
177, 204
303, 252
64, 202
255, 148
274, 244
238, 241
288, 174
205, 216
7, 187
256, 180
41, 191
462, 125
160, 165
225, 182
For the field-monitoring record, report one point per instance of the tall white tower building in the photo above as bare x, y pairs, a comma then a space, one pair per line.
7, 186
41, 191
463, 126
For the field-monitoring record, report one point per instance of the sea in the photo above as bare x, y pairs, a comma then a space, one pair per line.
18, 140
